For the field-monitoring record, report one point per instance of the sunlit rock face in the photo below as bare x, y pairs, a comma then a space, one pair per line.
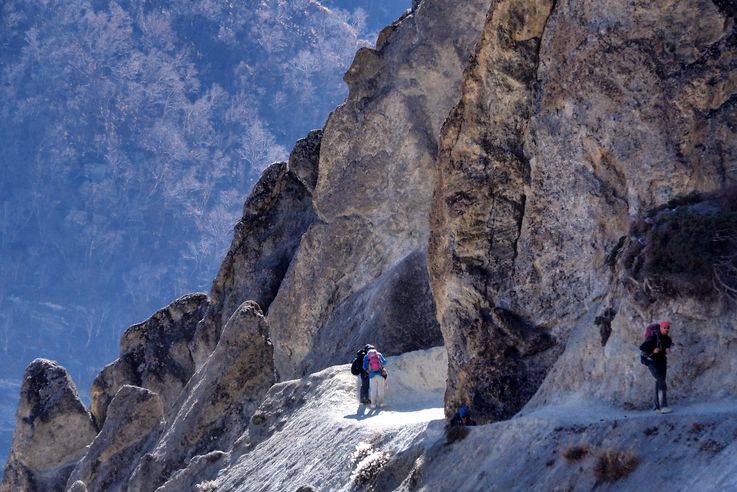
576, 120
275, 216
218, 401
154, 354
134, 421
372, 197
52, 430
643, 117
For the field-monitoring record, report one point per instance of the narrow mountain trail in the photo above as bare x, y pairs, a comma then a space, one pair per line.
309, 431
313, 432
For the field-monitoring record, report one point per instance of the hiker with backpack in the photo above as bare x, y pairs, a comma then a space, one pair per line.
462, 418
374, 363
358, 370
655, 350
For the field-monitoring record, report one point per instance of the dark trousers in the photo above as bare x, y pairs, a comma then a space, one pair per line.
364, 388
659, 372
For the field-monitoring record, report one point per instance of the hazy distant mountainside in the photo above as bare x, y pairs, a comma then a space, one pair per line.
131, 133
511, 191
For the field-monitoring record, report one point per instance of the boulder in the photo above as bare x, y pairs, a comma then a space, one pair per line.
154, 355
135, 418
217, 402
52, 431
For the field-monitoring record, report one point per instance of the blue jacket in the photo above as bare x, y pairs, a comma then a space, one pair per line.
366, 364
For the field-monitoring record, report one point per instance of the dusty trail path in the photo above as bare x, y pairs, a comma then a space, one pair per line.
311, 430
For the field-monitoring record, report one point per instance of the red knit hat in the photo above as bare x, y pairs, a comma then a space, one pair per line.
665, 324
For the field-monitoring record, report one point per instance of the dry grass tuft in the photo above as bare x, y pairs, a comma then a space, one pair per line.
697, 428
574, 454
712, 446
612, 465
369, 463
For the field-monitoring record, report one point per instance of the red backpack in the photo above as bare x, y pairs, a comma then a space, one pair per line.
374, 360
650, 330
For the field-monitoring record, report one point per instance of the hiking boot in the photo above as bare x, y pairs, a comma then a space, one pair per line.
666, 410
657, 410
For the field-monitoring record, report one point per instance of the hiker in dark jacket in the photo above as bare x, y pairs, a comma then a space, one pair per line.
358, 370
462, 417
657, 347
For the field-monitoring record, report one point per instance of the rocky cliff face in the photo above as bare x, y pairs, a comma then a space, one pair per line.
215, 407
52, 430
376, 175
576, 120
275, 217
155, 355
135, 420
497, 356
526, 182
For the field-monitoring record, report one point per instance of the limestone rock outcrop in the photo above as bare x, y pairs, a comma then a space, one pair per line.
217, 402
77, 486
377, 173
395, 312
135, 419
275, 216
52, 430
154, 355
200, 472
576, 120
479, 204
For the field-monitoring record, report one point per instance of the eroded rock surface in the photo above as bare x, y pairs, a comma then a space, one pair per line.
135, 418
51, 432
154, 355
218, 401
642, 114
199, 474
479, 205
576, 119
394, 313
377, 173
275, 216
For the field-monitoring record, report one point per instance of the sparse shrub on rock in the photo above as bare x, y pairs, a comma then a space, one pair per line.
573, 454
369, 463
687, 247
612, 465
456, 433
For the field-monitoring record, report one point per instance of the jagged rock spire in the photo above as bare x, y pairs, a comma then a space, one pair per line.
53, 428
